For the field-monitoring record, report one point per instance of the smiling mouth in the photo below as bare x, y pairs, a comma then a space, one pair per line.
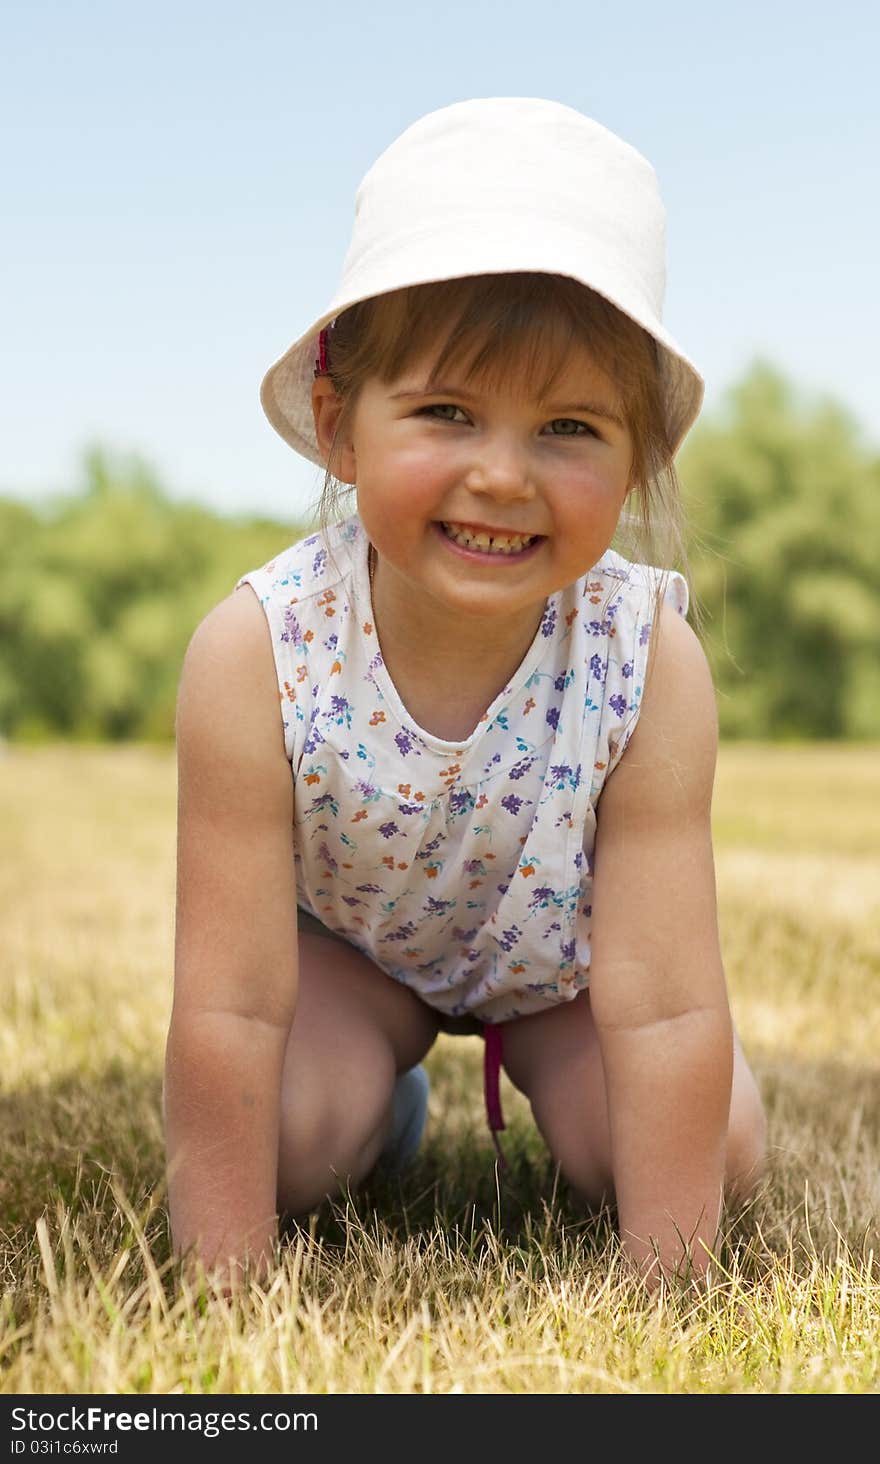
488, 543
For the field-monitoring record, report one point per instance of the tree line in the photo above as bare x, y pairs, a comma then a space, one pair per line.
101, 589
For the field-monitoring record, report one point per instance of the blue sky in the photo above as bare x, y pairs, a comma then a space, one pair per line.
179, 182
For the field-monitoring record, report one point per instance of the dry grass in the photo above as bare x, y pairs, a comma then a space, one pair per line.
451, 1280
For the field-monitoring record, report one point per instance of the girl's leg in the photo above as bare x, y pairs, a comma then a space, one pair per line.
354, 1030
553, 1058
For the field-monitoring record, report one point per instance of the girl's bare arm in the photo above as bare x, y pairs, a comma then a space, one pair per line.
657, 981
235, 976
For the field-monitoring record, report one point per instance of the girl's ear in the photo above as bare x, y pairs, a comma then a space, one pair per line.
327, 409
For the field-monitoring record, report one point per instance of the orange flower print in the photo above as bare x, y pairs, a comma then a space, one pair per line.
420, 797
367, 628
527, 869
301, 673
313, 777
600, 767
529, 706
404, 789
376, 718
482, 801
572, 615
361, 813
308, 635
389, 860
336, 668
475, 884
431, 871
403, 866
291, 692
518, 969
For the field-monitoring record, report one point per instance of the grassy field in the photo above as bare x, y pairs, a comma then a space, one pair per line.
450, 1280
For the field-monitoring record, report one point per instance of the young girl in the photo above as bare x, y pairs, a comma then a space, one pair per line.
485, 803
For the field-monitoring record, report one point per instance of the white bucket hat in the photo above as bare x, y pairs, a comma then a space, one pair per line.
494, 186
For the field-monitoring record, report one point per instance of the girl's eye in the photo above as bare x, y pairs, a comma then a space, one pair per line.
570, 427
439, 407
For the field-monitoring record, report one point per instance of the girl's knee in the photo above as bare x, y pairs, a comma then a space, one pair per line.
331, 1134
746, 1159
576, 1133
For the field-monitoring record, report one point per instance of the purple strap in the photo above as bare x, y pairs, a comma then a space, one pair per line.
491, 1072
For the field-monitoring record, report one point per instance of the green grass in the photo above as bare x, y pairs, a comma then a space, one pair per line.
452, 1279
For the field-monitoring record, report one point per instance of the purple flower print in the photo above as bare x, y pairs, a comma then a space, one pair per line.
369, 889
387, 830
599, 627
559, 774
404, 743
618, 704
292, 633
520, 769
324, 800
332, 642
552, 718
352, 900
314, 738
461, 802
509, 938
541, 897
340, 710
598, 668
645, 633
567, 952
328, 858
548, 624
403, 932
559, 682
512, 803
433, 906
627, 668
366, 789
319, 561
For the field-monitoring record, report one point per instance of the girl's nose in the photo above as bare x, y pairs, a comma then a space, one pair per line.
502, 470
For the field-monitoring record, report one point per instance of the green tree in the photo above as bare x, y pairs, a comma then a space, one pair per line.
784, 506
99, 595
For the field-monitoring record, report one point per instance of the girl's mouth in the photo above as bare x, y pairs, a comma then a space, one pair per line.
482, 547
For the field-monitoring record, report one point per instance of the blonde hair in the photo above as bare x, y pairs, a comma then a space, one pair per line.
506, 327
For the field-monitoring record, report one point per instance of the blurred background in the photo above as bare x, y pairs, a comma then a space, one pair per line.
178, 186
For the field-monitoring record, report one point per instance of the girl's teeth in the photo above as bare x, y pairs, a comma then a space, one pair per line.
500, 544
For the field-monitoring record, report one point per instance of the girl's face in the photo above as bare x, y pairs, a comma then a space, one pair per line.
435, 469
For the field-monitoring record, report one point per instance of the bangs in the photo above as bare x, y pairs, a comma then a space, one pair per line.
508, 331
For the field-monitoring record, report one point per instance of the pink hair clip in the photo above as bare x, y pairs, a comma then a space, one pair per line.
322, 365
